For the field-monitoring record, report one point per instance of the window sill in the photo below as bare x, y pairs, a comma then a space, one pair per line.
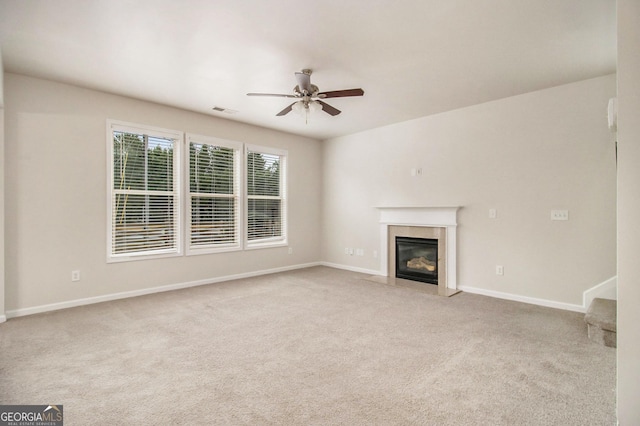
213, 250
265, 244
147, 256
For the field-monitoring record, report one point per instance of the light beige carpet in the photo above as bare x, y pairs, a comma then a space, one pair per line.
317, 346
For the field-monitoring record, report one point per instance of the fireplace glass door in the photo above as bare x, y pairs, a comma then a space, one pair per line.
417, 259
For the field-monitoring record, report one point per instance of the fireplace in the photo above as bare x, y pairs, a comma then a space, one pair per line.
435, 223
417, 259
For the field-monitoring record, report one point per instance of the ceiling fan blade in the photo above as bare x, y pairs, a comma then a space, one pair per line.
341, 93
329, 109
272, 94
285, 111
304, 81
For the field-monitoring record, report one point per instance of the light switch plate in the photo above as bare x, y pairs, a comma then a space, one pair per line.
559, 214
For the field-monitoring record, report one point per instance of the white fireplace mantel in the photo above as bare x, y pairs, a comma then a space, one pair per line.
439, 217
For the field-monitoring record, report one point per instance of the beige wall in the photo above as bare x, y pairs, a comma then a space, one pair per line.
2, 252
56, 196
628, 212
523, 156
2, 273
2, 205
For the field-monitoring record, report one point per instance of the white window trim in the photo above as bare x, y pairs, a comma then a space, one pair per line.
239, 163
182, 195
276, 241
176, 135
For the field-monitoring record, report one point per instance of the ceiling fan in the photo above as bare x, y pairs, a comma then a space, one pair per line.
309, 96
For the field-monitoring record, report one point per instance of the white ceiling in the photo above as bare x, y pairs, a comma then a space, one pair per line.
412, 57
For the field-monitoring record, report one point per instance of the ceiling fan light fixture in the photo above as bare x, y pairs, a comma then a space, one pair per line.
305, 108
298, 107
314, 106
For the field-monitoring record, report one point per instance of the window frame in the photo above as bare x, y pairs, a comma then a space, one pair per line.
151, 131
239, 214
182, 196
279, 241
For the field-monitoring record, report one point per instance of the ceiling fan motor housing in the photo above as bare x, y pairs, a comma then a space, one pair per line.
313, 93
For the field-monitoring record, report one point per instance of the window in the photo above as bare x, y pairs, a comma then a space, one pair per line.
214, 219
231, 201
265, 197
144, 183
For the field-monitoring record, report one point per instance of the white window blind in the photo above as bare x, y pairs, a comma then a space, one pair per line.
144, 214
214, 221
266, 200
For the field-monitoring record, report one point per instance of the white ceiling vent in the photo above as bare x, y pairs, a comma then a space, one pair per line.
225, 110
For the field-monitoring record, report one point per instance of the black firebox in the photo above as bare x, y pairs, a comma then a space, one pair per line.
417, 259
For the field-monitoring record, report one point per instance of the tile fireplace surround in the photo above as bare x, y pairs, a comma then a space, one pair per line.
422, 222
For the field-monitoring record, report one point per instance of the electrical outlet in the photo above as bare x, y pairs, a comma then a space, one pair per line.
359, 252
499, 270
75, 275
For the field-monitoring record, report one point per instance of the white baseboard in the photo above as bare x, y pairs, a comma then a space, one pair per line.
351, 268
126, 294
491, 293
587, 296
606, 290
524, 299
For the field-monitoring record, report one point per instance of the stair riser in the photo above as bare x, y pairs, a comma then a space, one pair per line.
603, 337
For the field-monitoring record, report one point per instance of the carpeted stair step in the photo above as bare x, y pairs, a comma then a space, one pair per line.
601, 321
